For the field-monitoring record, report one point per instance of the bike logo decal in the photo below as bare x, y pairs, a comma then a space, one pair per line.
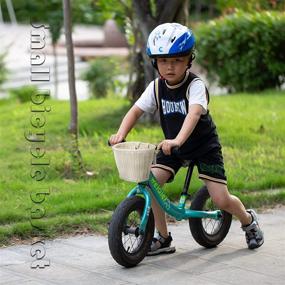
161, 193
167, 204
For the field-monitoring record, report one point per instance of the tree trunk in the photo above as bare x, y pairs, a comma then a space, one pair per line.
77, 163
198, 9
55, 73
143, 22
136, 77
174, 11
73, 127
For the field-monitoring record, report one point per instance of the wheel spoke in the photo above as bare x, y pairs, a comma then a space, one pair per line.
126, 245
211, 226
130, 242
208, 232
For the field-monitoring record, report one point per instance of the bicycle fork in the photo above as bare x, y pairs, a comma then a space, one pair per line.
140, 189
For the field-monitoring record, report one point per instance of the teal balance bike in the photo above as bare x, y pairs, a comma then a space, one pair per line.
132, 225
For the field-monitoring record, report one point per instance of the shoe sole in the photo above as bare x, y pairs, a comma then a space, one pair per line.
162, 251
254, 216
258, 245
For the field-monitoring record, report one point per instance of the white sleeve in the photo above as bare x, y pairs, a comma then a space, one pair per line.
147, 101
196, 94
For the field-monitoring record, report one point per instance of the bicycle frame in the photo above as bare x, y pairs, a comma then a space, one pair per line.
178, 212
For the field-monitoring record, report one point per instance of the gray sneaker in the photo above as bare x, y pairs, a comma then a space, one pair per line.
161, 245
253, 234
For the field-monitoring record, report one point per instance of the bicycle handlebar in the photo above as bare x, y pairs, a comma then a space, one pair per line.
111, 145
175, 151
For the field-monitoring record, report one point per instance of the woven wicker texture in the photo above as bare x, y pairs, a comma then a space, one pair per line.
133, 160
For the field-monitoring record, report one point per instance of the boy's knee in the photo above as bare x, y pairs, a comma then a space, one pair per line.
219, 194
161, 175
222, 203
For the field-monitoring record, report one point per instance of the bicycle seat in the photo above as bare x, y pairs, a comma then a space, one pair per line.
186, 163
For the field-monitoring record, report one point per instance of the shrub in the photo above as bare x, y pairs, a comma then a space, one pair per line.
23, 94
244, 52
249, 5
101, 76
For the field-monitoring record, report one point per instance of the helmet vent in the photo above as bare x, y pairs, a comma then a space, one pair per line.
170, 40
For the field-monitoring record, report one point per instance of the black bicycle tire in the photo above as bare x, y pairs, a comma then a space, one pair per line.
196, 226
116, 229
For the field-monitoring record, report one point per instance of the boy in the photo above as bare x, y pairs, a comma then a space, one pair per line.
181, 99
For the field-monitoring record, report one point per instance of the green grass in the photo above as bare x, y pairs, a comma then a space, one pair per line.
251, 130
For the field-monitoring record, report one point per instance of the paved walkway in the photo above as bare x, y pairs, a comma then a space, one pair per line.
86, 260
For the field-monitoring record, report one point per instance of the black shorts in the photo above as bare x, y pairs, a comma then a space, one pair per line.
210, 165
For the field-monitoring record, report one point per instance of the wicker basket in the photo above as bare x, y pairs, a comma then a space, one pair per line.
133, 160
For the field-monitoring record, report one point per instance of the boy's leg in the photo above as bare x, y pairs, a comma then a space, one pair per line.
225, 201
162, 177
230, 203
211, 170
164, 170
161, 243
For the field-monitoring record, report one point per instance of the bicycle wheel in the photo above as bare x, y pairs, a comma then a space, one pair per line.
126, 245
206, 231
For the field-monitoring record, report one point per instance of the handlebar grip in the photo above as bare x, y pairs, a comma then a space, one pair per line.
175, 151
111, 145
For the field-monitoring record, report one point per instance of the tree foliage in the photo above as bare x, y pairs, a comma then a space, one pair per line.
250, 5
83, 11
138, 19
244, 51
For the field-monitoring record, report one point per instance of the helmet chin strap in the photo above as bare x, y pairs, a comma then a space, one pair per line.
192, 57
154, 63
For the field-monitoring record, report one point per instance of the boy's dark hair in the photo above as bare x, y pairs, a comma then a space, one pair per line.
192, 57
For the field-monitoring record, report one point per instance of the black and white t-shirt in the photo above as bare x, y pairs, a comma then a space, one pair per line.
173, 103
196, 88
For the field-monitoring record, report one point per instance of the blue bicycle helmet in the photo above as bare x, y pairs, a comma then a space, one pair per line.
170, 40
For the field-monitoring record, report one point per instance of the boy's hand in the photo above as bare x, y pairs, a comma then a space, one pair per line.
167, 145
116, 138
